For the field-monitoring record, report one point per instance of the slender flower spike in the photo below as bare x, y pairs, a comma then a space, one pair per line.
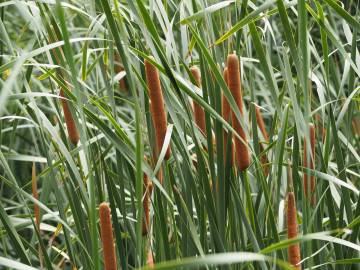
35, 195
107, 237
69, 120
157, 106
118, 69
261, 124
199, 113
150, 259
293, 250
310, 164
241, 148
226, 113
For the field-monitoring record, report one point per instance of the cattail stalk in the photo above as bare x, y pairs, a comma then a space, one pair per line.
69, 120
309, 164
293, 250
242, 155
260, 122
199, 113
107, 237
226, 114
146, 204
157, 106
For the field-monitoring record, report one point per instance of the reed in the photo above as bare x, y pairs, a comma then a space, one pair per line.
157, 108
107, 237
309, 164
199, 113
293, 250
69, 120
242, 155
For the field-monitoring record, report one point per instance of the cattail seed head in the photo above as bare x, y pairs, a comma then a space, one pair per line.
35, 195
118, 68
107, 237
69, 120
226, 113
150, 259
242, 155
309, 162
157, 106
293, 250
260, 122
199, 113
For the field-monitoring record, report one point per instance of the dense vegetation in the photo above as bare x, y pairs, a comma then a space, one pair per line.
193, 134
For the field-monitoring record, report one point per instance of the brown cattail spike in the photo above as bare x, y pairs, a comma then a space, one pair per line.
260, 122
157, 106
69, 120
35, 195
293, 250
107, 237
118, 68
199, 113
226, 113
150, 259
309, 162
241, 148
146, 205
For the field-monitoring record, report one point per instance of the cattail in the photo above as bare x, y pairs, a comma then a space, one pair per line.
118, 68
226, 113
293, 250
260, 122
69, 120
310, 164
199, 113
150, 259
146, 204
157, 106
107, 237
35, 195
241, 152
320, 127
356, 127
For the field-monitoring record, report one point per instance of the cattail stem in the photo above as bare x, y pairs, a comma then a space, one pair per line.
69, 120
226, 113
293, 250
260, 122
199, 113
309, 164
107, 237
157, 106
242, 155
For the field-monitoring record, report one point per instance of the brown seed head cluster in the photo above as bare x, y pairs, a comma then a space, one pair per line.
199, 113
157, 106
309, 162
293, 250
242, 155
107, 237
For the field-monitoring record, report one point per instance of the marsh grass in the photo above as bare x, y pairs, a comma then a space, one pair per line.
299, 62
